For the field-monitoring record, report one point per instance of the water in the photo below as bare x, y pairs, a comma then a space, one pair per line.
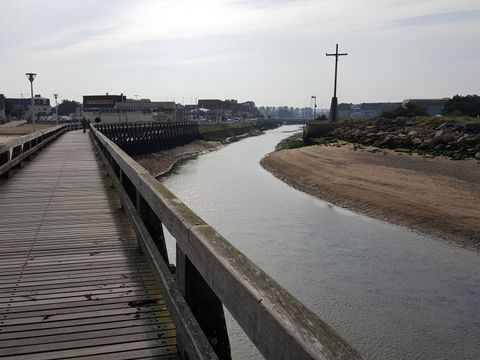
390, 292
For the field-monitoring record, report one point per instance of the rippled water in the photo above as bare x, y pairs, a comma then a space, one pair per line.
390, 292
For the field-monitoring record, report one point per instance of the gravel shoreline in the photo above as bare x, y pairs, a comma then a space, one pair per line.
436, 196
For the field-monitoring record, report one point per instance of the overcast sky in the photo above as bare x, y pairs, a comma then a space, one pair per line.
268, 51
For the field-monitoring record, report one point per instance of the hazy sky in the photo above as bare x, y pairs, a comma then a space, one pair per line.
268, 51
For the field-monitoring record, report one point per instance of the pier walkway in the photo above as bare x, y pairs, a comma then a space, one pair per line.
72, 280
85, 272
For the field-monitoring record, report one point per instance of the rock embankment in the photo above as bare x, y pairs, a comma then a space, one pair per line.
433, 136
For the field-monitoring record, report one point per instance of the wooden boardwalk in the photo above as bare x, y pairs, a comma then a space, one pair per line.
72, 281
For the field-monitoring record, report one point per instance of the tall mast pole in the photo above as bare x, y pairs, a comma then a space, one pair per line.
333, 115
336, 66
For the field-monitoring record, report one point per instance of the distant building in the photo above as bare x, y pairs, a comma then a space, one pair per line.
364, 110
102, 101
228, 109
211, 104
432, 107
2, 107
117, 108
41, 105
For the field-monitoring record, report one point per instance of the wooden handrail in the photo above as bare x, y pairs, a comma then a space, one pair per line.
17, 150
278, 324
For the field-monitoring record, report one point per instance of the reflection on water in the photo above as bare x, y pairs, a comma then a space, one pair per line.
391, 292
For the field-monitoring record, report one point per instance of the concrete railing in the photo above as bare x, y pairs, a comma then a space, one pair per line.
210, 272
17, 150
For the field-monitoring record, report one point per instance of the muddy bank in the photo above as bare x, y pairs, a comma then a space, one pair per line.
162, 162
436, 196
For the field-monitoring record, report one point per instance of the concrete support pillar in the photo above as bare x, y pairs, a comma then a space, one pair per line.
333, 115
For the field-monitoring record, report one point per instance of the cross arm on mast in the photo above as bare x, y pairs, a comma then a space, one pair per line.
334, 106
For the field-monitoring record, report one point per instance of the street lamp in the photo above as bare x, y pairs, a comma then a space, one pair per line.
314, 98
31, 77
56, 106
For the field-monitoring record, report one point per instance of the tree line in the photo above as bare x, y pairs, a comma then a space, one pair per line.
468, 105
66, 107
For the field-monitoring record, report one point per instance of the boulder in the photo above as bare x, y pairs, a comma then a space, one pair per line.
417, 141
386, 141
439, 133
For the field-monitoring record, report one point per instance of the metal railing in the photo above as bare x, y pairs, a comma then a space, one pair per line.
210, 272
17, 150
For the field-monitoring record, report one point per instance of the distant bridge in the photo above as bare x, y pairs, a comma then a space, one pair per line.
85, 273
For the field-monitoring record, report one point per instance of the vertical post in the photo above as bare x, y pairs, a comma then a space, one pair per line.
336, 65
205, 305
31, 77
153, 225
56, 106
32, 103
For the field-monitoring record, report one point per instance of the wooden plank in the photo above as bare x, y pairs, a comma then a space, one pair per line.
72, 291
71, 306
27, 334
66, 285
116, 269
152, 353
54, 321
34, 301
90, 335
90, 342
98, 351
151, 304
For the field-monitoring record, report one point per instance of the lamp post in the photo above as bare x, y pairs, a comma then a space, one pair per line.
31, 77
314, 98
56, 106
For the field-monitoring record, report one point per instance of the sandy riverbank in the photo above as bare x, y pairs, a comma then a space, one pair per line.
436, 196
5, 139
162, 162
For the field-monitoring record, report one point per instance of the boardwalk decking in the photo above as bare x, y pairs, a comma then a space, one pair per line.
72, 281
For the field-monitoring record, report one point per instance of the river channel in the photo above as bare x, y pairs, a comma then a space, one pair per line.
392, 293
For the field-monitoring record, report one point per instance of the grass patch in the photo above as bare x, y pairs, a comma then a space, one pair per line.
291, 142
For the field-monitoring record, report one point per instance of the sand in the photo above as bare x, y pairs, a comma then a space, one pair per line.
5, 139
436, 196
22, 129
